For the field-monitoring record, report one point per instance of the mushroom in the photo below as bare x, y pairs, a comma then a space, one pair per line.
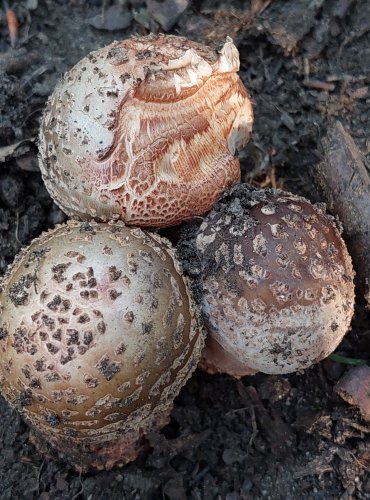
98, 333
145, 130
278, 283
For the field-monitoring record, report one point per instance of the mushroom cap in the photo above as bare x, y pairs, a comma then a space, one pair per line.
278, 282
145, 130
98, 333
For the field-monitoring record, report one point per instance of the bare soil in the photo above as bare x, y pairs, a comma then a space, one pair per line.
305, 63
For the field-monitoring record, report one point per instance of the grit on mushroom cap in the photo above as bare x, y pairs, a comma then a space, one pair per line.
98, 333
278, 282
145, 130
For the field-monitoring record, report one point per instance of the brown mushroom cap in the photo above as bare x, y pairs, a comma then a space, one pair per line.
98, 333
145, 130
278, 283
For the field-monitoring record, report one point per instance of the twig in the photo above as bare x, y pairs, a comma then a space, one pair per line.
39, 476
12, 22
246, 400
80, 492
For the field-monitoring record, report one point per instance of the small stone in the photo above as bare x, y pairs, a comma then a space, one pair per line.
167, 12
232, 455
114, 18
61, 484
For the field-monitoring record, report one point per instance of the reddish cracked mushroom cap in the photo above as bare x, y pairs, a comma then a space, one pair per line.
98, 333
278, 283
145, 130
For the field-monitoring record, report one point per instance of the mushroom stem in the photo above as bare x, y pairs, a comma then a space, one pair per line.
117, 451
216, 360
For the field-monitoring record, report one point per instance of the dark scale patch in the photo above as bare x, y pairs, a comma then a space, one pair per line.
139, 357
63, 321
37, 254
69, 286
18, 293
73, 255
35, 316
58, 272
32, 349
85, 294
132, 263
52, 419
52, 348
52, 377
3, 333
107, 369
147, 327
334, 326
146, 256
129, 316
72, 400
178, 336
91, 282
97, 313
57, 335
91, 382
87, 338
93, 294
81, 349
79, 276
66, 305
113, 294
101, 327
124, 77
126, 280
168, 317
66, 414
25, 398
76, 311
114, 273
161, 356
120, 349
40, 365
90, 272
85, 227
43, 296
26, 371
67, 357
70, 432
20, 340
35, 383
82, 284
156, 281
48, 322
84, 318
55, 303
154, 304
73, 337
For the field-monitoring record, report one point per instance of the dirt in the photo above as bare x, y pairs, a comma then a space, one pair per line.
306, 63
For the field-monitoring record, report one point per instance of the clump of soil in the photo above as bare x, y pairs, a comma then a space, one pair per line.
305, 64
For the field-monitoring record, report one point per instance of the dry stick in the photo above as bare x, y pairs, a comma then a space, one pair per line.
344, 182
12, 22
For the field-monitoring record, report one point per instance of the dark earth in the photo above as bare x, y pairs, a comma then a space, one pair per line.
306, 64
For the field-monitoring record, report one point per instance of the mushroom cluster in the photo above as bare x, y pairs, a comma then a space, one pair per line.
98, 328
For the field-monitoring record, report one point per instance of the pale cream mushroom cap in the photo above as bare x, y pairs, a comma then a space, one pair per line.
145, 130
